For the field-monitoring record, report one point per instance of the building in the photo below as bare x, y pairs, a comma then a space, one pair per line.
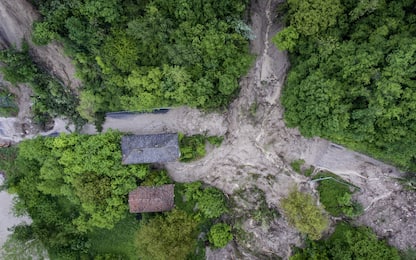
152, 199
156, 148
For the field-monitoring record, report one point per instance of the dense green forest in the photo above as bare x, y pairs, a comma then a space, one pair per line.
79, 206
138, 55
353, 74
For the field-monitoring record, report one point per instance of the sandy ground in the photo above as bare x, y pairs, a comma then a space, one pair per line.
258, 149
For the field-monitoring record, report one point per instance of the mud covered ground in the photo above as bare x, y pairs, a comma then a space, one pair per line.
257, 150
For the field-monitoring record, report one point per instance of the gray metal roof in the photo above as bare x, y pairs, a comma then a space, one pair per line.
155, 148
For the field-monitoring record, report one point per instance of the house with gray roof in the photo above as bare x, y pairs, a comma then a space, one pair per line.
155, 148
152, 199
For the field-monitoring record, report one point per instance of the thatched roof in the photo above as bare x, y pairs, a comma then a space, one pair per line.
156, 148
152, 199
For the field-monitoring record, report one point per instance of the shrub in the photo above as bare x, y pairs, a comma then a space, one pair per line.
220, 235
172, 236
348, 242
191, 147
157, 178
203, 203
8, 107
297, 165
41, 34
335, 195
303, 213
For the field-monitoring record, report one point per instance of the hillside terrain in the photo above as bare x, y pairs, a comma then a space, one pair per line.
257, 150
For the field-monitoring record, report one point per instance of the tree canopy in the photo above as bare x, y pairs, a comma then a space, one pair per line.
303, 213
348, 242
353, 75
68, 195
138, 55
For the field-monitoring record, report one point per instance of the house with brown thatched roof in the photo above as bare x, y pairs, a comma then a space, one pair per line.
155, 148
152, 199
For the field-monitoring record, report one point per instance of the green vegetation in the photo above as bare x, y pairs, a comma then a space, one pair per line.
138, 55
348, 242
67, 196
352, 75
51, 99
117, 242
220, 235
297, 165
8, 106
193, 147
201, 202
8, 157
335, 194
172, 236
303, 213
79, 207
20, 245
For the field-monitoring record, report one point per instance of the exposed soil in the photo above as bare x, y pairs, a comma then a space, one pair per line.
258, 148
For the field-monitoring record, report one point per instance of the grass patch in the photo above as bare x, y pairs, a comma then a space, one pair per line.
336, 196
215, 140
117, 242
298, 166
193, 147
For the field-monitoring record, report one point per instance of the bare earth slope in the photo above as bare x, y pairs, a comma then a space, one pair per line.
258, 148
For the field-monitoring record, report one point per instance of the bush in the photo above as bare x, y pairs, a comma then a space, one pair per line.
8, 106
41, 33
220, 235
193, 147
203, 203
215, 140
302, 212
348, 242
172, 236
157, 178
335, 194
297, 165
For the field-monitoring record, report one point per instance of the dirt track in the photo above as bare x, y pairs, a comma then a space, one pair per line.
258, 148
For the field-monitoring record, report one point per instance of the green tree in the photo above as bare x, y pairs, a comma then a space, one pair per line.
348, 242
67, 196
303, 213
352, 72
171, 236
312, 16
220, 235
